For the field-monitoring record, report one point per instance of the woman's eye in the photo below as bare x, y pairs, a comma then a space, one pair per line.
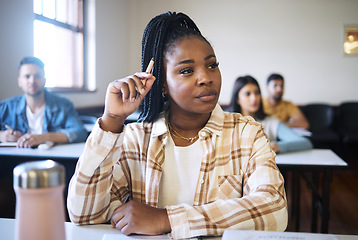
186, 71
214, 65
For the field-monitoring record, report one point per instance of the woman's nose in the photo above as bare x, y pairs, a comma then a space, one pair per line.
203, 78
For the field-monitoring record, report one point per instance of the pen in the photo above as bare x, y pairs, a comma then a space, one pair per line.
9, 128
149, 69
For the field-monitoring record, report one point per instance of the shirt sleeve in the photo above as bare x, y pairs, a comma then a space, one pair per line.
92, 196
289, 141
74, 128
262, 206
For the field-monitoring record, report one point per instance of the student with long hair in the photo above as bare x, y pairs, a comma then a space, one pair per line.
246, 99
186, 167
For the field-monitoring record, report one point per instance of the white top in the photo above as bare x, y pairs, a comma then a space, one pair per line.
35, 119
270, 124
181, 169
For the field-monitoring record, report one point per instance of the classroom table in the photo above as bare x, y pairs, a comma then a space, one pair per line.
66, 154
10, 157
105, 231
299, 163
71, 151
317, 162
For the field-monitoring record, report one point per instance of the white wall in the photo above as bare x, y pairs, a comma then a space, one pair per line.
302, 40
16, 41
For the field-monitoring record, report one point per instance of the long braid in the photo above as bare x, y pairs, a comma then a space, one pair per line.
161, 33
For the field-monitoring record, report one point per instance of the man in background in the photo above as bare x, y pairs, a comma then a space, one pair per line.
38, 116
284, 110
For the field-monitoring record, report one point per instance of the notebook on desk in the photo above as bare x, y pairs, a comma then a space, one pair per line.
267, 235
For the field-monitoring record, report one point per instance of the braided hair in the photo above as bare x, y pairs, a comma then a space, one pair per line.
159, 37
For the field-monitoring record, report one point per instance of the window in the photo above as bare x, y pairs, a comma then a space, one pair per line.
59, 42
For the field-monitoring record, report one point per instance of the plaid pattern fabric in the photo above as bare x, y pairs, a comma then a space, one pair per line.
239, 184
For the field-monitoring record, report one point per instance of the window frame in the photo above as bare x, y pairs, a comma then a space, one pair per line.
76, 29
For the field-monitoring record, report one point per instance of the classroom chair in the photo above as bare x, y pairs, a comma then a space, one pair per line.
321, 119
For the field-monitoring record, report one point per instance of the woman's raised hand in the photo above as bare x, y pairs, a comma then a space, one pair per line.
122, 100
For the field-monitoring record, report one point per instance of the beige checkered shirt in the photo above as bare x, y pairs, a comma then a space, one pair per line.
239, 185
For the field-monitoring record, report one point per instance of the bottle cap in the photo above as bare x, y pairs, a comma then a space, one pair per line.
39, 174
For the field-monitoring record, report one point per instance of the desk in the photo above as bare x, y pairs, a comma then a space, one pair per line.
315, 161
10, 157
96, 232
66, 154
60, 151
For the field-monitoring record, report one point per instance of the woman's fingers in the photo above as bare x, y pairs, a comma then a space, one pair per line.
129, 87
123, 96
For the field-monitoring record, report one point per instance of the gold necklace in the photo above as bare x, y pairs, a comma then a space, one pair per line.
177, 135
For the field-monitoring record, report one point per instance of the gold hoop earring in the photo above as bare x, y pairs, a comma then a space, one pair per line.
164, 95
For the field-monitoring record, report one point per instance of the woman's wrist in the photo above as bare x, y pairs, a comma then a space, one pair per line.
111, 123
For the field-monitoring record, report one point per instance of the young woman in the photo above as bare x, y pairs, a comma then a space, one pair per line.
186, 167
246, 99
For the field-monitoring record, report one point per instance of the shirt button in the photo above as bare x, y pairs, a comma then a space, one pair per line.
203, 134
201, 181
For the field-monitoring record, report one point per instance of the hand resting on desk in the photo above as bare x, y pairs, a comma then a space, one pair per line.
140, 218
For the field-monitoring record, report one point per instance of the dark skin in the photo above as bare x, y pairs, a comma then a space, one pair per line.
192, 84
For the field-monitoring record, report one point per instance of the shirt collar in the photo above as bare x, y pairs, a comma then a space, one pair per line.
214, 125
21, 106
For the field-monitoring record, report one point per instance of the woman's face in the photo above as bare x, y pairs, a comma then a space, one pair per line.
193, 78
249, 99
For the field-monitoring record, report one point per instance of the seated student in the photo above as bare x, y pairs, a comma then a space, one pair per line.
38, 116
284, 110
246, 99
187, 167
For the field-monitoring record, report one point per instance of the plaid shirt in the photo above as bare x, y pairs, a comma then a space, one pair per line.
239, 185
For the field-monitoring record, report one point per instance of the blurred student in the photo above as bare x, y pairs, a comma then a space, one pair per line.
187, 167
284, 110
246, 99
38, 116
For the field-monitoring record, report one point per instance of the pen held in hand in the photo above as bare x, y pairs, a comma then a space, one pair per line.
9, 128
149, 69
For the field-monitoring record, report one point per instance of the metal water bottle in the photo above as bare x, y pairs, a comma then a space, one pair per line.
39, 213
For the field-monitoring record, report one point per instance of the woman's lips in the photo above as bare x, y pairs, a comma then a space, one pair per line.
207, 96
